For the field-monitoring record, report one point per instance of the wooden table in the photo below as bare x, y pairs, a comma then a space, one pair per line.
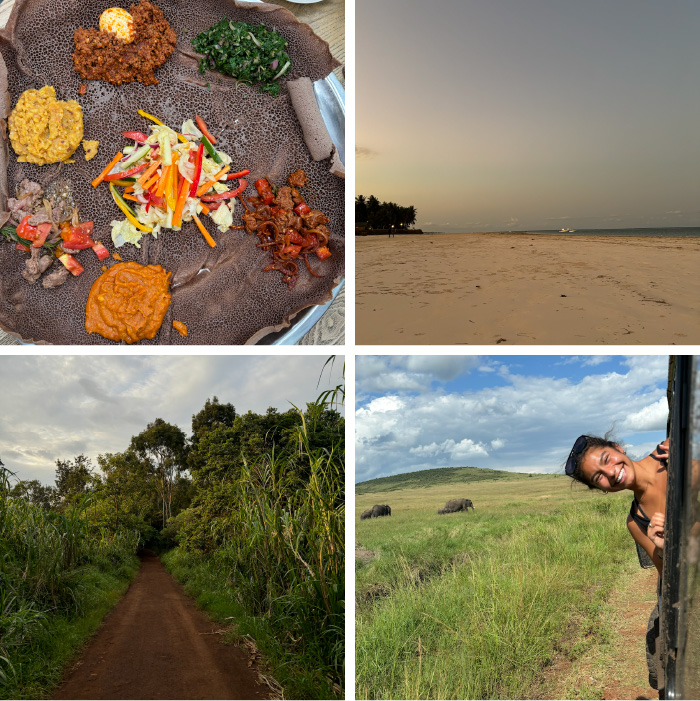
327, 19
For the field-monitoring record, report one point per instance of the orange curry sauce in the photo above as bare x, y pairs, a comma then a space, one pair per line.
128, 302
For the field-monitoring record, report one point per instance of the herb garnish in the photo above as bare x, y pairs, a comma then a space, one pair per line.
10, 233
251, 53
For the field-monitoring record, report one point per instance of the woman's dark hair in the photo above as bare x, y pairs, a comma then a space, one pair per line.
576, 457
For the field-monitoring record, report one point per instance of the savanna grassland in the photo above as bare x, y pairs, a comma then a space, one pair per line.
482, 604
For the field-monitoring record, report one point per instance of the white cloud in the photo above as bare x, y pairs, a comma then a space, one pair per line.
95, 404
649, 418
528, 424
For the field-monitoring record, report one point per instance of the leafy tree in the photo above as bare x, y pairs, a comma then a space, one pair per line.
34, 492
163, 445
360, 208
73, 478
214, 415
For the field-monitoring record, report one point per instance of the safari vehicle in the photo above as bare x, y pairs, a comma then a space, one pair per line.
680, 591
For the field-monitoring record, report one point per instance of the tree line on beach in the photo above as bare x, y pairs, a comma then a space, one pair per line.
383, 215
249, 506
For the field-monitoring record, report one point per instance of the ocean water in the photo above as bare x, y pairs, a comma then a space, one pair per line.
684, 231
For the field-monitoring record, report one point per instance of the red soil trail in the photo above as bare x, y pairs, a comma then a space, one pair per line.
156, 644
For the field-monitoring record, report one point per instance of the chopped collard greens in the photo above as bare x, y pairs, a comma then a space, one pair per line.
251, 53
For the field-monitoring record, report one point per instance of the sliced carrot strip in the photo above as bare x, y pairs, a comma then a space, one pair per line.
113, 162
181, 197
215, 179
131, 197
149, 172
205, 233
151, 182
205, 209
129, 189
163, 180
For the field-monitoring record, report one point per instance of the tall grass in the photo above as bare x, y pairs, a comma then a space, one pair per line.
477, 605
47, 561
282, 555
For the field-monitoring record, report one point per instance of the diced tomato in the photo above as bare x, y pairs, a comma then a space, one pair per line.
22, 247
310, 241
43, 231
100, 251
26, 231
71, 263
264, 190
78, 237
323, 253
302, 208
294, 235
292, 250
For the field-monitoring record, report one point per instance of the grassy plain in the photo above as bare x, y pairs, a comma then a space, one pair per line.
480, 604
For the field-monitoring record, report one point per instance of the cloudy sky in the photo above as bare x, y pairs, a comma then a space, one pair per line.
55, 406
491, 115
520, 413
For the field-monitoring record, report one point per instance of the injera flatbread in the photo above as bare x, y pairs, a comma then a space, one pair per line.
221, 293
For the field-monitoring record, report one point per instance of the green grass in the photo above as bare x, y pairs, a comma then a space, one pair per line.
476, 605
206, 580
51, 646
438, 476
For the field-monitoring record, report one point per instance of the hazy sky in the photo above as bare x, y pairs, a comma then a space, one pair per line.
491, 115
61, 406
520, 413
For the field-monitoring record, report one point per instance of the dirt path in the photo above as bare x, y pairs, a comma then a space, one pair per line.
615, 669
156, 644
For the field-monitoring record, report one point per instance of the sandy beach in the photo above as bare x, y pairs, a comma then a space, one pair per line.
486, 288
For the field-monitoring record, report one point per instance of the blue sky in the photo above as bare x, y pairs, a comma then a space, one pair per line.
518, 413
55, 407
491, 115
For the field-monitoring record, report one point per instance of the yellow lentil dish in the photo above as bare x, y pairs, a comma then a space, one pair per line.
128, 302
43, 129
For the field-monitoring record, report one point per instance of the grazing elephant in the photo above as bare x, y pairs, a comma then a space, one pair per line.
381, 510
456, 505
366, 514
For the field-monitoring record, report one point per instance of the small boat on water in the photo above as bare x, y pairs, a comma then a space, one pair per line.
566, 231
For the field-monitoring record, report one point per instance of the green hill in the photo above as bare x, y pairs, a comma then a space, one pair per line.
431, 478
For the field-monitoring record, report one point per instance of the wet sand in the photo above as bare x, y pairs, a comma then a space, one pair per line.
487, 288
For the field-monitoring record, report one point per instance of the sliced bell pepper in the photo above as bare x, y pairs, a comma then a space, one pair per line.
215, 179
157, 121
136, 136
130, 215
239, 174
226, 195
125, 173
197, 170
71, 263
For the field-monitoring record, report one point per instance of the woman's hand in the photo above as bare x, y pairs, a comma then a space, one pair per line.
660, 453
655, 531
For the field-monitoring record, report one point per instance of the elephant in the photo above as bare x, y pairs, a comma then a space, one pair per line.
381, 510
366, 514
456, 505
